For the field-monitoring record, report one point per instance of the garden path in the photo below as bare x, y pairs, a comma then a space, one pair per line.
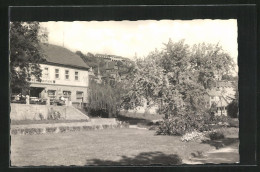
225, 155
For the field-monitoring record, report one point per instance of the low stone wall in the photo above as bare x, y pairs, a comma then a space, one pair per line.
66, 127
38, 112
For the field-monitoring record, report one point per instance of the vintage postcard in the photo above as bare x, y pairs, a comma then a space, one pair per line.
145, 92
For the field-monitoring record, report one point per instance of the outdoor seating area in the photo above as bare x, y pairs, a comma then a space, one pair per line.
21, 99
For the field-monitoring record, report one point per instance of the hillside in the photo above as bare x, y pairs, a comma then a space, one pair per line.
98, 62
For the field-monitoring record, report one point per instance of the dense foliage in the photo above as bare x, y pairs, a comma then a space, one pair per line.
25, 53
182, 124
217, 135
178, 77
232, 108
104, 100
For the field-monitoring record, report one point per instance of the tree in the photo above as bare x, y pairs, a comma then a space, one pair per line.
179, 76
233, 107
104, 100
229, 78
209, 61
25, 53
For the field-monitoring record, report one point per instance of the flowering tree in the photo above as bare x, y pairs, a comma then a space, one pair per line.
178, 75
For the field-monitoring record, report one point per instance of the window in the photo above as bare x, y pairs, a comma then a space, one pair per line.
46, 72
79, 95
67, 74
76, 76
57, 73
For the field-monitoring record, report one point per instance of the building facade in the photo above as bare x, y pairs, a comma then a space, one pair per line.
64, 74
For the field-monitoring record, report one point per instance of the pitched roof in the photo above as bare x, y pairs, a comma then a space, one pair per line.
62, 56
213, 92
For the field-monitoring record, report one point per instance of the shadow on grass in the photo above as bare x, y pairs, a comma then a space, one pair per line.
134, 121
145, 158
221, 143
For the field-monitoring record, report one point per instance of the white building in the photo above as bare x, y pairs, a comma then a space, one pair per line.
64, 74
111, 57
218, 100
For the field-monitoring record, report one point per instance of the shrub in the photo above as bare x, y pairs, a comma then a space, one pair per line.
106, 126
182, 124
38, 130
22, 131
197, 154
88, 128
216, 135
14, 131
75, 129
98, 127
125, 124
233, 123
53, 115
31, 131
122, 124
63, 129
51, 129
193, 136
28, 131
171, 127
232, 109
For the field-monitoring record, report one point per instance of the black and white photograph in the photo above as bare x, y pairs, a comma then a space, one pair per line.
120, 93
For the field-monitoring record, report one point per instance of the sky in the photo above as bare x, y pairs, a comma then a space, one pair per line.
127, 38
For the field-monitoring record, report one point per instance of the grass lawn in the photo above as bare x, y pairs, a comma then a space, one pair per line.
101, 147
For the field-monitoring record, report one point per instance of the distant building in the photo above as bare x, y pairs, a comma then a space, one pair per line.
64, 74
227, 89
219, 97
221, 106
113, 58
